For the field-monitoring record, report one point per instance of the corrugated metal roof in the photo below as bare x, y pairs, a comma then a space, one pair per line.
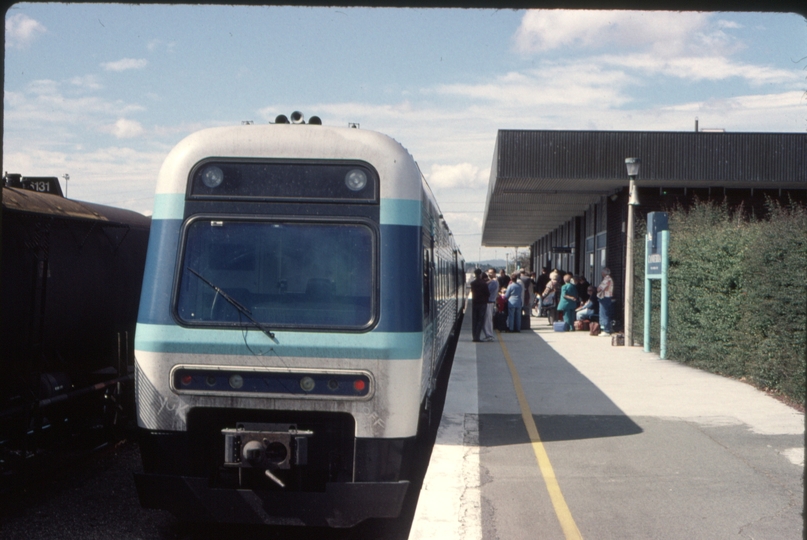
540, 179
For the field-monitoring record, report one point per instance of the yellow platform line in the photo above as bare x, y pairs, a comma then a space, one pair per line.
565, 518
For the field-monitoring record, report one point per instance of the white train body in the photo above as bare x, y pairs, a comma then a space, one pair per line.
300, 290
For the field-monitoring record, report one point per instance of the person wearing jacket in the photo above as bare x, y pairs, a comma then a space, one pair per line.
514, 296
568, 302
605, 293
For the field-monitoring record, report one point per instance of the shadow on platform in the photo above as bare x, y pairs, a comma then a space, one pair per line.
564, 403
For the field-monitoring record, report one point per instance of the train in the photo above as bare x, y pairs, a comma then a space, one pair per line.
71, 278
301, 291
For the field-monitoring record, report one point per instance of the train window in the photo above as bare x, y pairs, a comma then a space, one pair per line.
285, 274
426, 283
297, 180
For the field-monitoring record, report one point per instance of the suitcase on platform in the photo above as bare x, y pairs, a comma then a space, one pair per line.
594, 329
559, 326
500, 321
618, 340
525, 318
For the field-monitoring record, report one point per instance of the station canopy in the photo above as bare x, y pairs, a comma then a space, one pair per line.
541, 179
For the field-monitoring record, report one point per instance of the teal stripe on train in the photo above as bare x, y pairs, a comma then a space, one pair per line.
393, 211
370, 345
169, 206
400, 212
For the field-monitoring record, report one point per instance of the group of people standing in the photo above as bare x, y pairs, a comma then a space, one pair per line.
490, 293
578, 300
573, 296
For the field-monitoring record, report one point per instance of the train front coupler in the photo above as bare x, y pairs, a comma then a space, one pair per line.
269, 447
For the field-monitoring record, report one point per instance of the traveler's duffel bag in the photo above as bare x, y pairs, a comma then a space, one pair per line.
582, 325
559, 326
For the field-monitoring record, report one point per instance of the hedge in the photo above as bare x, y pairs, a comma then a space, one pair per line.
737, 301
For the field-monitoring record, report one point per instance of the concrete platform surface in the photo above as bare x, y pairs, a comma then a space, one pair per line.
561, 435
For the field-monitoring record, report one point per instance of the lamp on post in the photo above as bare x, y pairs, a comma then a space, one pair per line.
632, 165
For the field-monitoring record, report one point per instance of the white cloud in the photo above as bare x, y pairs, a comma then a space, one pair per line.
570, 84
21, 30
761, 104
124, 129
44, 102
125, 64
722, 23
461, 175
89, 82
116, 176
543, 30
696, 68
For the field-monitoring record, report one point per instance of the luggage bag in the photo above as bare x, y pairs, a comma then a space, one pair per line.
525, 318
582, 325
500, 321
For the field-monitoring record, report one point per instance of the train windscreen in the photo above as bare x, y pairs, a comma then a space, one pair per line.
280, 274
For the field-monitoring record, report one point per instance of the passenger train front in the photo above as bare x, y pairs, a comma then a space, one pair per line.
301, 289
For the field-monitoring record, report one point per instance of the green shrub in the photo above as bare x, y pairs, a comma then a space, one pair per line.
737, 295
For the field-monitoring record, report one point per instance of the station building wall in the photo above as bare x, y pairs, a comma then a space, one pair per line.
598, 239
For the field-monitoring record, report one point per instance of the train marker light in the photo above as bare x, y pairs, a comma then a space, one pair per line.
212, 177
307, 383
236, 381
359, 385
356, 180
186, 380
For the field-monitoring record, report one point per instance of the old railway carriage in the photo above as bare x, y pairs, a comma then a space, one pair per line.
301, 287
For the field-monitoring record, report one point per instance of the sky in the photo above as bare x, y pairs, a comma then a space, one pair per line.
102, 92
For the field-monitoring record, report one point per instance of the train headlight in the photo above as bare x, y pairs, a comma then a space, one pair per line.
212, 177
307, 383
236, 381
356, 180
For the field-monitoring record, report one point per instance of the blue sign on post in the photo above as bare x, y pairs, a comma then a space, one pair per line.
656, 222
656, 267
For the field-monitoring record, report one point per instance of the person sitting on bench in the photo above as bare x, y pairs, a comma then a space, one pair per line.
590, 309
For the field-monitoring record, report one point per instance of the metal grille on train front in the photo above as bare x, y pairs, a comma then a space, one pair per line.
295, 241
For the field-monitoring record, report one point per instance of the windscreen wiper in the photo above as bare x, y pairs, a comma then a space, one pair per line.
241, 309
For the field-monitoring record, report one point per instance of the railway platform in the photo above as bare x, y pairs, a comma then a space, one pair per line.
562, 435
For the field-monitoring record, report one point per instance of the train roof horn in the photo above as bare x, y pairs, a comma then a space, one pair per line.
297, 118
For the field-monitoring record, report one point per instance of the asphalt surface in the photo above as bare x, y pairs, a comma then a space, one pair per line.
632, 446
